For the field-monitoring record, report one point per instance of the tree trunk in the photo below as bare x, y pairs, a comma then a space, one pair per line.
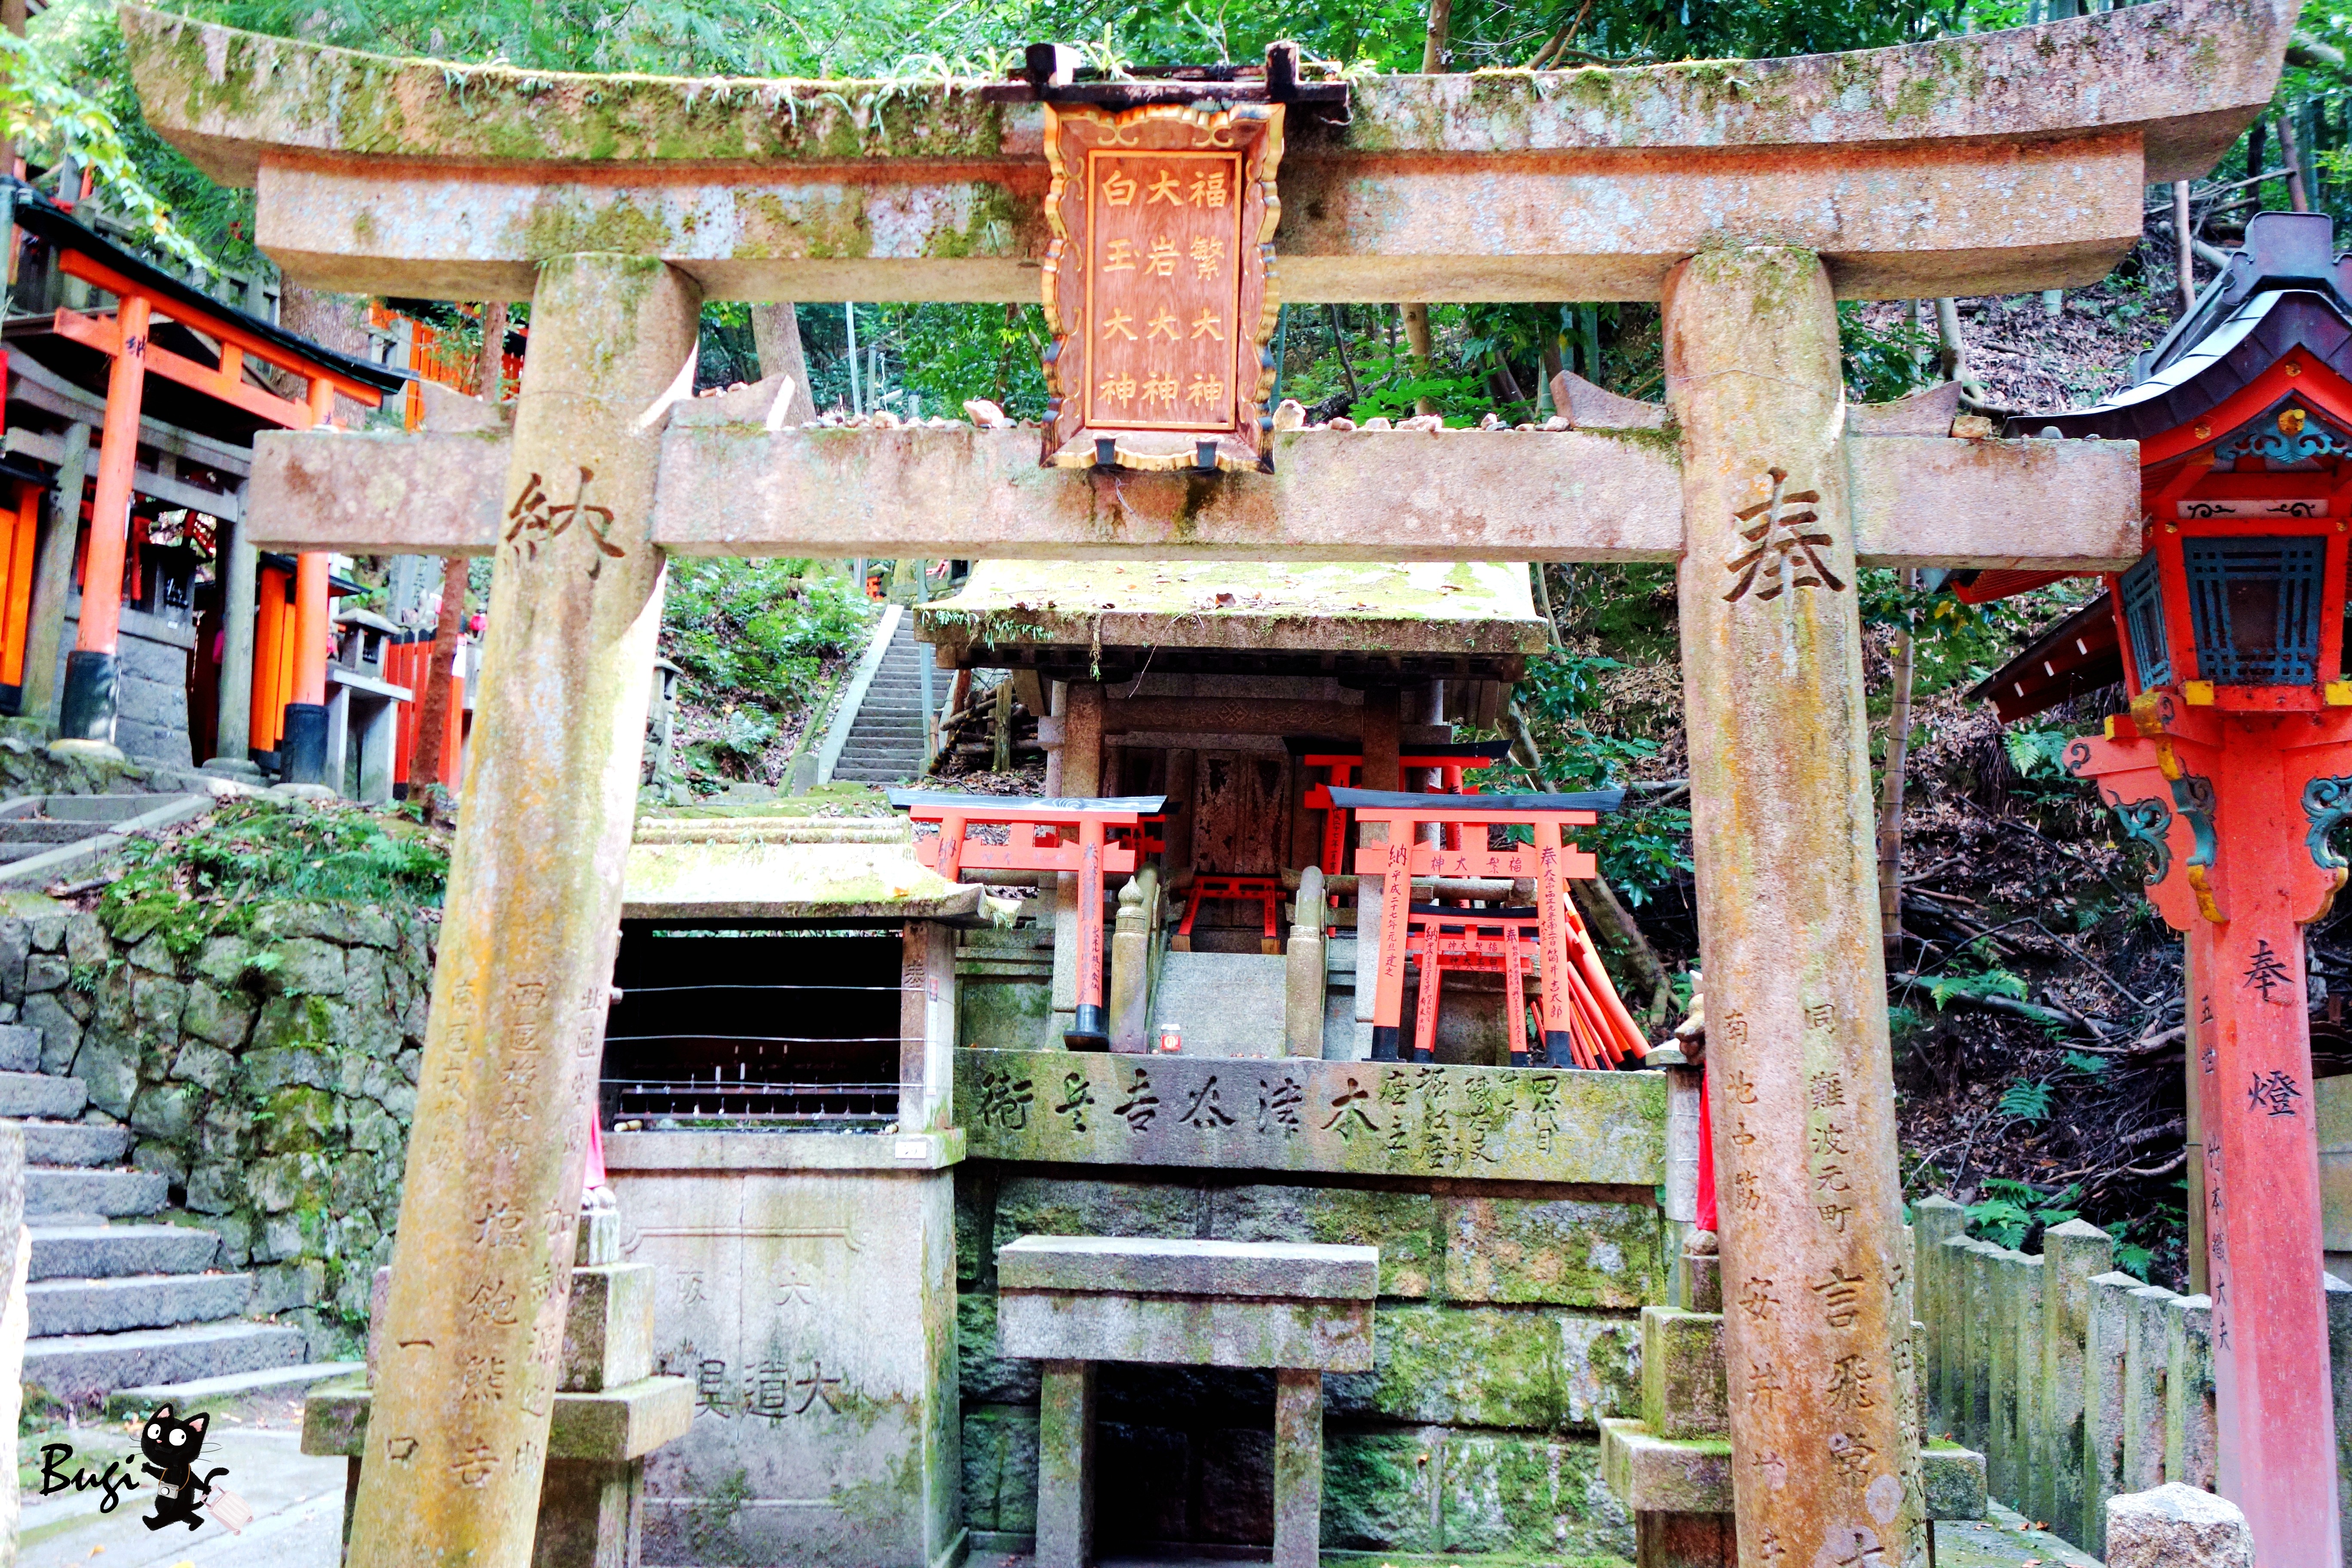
776, 338
1890, 810
1543, 603
2298, 193
1417, 345
1340, 341
338, 321
1416, 316
2184, 240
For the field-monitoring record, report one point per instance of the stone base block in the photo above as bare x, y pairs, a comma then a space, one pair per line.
1651, 1474
619, 1423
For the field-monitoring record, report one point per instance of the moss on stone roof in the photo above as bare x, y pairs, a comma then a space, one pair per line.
1409, 607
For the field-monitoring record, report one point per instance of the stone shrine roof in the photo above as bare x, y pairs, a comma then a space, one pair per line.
1482, 611
846, 870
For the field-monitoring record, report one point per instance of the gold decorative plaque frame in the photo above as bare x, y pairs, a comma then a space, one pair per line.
1160, 285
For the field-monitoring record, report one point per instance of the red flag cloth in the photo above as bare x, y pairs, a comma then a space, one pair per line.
1705, 1159
595, 1154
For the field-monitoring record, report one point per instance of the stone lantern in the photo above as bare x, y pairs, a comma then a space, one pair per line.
2231, 768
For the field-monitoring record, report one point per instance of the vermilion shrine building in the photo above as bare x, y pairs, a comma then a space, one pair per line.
196, 598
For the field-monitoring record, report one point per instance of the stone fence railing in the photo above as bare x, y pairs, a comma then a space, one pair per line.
2078, 1382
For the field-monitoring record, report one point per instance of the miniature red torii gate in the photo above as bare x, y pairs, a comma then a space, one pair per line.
1547, 861
1104, 836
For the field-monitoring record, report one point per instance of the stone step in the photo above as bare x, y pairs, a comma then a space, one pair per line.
134, 1302
78, 1366
74, 1143
111, 1251
24, 1094
212, 1393
71, 1189
36, 830
20, 1048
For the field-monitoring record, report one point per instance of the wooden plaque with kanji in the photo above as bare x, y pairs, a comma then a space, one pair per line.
1159, 287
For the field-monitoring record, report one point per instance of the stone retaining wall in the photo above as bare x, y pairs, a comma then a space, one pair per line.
1507, 1327
271, 1075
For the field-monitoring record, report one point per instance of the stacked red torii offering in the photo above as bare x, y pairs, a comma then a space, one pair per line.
1450, 761
1584, 1023
1086, 835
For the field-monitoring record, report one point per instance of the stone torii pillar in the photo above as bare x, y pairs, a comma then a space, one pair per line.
481, 1268
1817, 1299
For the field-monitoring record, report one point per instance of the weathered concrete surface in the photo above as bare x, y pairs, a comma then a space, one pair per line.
1297, 1469
1988, 162
1185, 1330
2106, 1377
1368, 1117
1065, 1465
1334, 495
2076, 1252
1815, 1275
1651, 1474
1309, 1271
491, 1194
624, 1421
2177, 1526
1684, 1392
2191, 1440
813, 1305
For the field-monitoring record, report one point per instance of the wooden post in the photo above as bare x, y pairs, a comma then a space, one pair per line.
233, 734
53, 579
1817, 1293
87, 715
481, 1271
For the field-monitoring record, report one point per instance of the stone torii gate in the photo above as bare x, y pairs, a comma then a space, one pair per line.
1743, 195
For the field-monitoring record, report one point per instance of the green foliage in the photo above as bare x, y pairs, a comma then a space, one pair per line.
2011, 1209
2026, 1100
760, 630
1883, 363
2031, 751
51, 119
1641, 849
206, 881
1943, 988
2087, 1065
946, 354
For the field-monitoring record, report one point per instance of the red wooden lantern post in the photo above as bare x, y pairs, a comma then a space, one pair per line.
2232, 767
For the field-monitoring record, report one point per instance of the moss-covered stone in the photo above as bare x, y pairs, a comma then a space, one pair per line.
1561, 1252
985, 1377
1404, 1226
1684, 1393
1529, 1497
1542, 1370
1055, 1205
1000, 1468
1378, 1489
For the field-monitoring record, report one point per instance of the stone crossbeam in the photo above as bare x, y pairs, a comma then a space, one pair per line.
1334, 495
1982, 163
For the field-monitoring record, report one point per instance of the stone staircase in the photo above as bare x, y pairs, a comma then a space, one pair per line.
886, 739
117, 1299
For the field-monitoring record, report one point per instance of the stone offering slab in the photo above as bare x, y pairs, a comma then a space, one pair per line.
1380, 1118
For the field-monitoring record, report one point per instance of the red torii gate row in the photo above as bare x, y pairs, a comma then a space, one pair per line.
143, 296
